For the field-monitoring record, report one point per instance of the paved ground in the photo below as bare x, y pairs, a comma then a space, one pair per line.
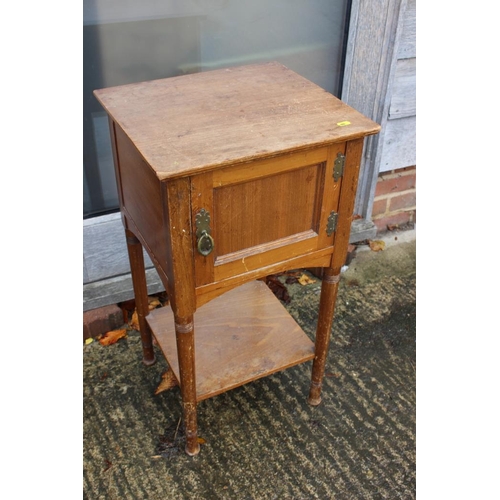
263, 441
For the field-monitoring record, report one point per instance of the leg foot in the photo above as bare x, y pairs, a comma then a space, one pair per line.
149, 362
314, 394
191, 429
327, 305
192, 451
314, 401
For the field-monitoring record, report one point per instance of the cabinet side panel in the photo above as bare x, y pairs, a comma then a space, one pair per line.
141, 198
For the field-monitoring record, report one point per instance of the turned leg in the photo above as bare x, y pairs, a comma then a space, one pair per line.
184, 331
329, 290
141, 295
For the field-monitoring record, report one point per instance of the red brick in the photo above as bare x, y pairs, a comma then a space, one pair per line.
379, 207
99, 321
403, 182
402, 202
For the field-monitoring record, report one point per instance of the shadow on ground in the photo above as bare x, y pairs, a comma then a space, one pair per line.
263, 441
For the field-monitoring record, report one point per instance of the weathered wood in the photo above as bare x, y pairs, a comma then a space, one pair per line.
105, 249
85, 271
194, 123
408, 42
372, 51
244, 335
404, 92
117, 289
400, 144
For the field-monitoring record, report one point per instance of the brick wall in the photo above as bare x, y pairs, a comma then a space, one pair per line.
395, 199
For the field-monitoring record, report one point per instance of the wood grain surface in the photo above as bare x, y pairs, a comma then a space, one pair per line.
198, 122
242, 336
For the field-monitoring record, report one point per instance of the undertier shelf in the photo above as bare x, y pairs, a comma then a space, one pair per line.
240, 336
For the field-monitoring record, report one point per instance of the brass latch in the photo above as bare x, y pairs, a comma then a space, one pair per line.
338, 167
331, 225
205, 243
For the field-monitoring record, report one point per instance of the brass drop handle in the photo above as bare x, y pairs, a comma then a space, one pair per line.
205, 243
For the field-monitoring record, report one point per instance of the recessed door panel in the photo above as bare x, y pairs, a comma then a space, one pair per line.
264, 212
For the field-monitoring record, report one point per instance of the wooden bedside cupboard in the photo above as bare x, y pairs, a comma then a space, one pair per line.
225, 177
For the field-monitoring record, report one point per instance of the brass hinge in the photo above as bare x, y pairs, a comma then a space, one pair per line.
331, 225
338, 167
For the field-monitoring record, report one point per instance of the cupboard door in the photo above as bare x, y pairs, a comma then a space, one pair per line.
263, 212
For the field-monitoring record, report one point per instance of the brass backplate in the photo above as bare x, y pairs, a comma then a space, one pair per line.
202, 221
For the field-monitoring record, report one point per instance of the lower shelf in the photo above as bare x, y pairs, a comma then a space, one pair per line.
240, 336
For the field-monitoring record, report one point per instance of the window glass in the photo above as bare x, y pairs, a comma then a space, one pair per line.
125, 41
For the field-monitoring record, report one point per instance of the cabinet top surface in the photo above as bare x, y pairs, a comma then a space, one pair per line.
191, 123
